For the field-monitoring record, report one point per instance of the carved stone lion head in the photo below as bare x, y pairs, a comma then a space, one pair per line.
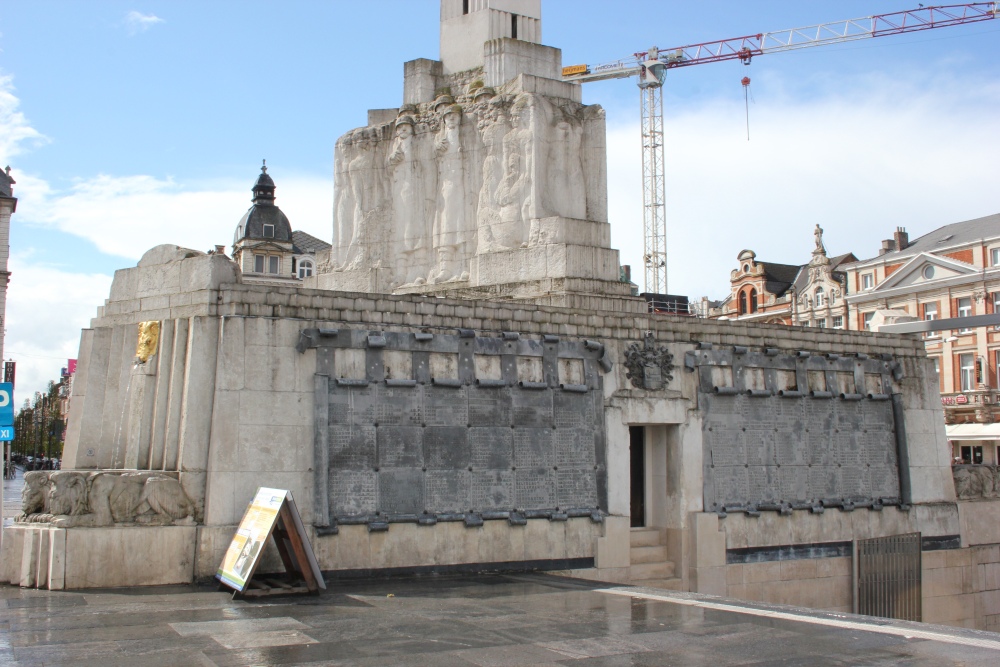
68, 493
34, 495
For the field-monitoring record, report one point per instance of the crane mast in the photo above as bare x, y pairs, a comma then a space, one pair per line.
651, 67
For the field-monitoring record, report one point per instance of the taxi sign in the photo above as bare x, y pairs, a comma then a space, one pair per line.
6, 433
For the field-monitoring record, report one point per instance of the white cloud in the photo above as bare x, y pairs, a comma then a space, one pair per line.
127, 215
136, 22
16, 133
46, 309
888, 153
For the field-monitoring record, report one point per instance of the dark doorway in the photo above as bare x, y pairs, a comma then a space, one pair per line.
637, 458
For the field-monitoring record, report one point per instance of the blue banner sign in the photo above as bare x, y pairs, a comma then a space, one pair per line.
6, 404
6, 433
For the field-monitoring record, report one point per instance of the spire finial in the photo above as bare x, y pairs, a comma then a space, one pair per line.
263, 166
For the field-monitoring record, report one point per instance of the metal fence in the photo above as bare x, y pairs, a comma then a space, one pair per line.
889, 577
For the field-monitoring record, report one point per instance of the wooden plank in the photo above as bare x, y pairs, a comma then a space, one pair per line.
285, 517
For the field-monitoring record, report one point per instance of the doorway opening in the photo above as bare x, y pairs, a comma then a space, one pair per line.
637, 475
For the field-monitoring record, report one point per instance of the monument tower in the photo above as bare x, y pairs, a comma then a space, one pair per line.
489, 181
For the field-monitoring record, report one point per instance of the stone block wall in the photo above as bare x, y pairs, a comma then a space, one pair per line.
241, 398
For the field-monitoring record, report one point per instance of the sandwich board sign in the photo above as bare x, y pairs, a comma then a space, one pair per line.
271, 515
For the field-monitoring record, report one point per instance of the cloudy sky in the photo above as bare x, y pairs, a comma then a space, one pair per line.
129, 124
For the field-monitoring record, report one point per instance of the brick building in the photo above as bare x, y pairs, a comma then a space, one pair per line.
951, 272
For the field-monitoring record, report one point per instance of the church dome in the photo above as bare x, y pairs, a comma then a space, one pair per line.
263, 220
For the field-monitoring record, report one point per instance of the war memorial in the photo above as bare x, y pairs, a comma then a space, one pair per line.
467, 385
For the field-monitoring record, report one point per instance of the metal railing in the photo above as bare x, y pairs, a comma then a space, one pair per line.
889, 577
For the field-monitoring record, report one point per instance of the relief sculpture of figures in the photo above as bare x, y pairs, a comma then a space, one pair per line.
493, 126
69, 498
363, 180
408, 203
517, 188
449, 221
567, 195
343, 202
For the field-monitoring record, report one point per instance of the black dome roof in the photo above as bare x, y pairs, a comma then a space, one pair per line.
263, 212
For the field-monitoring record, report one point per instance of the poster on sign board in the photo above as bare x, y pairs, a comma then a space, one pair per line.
248, 542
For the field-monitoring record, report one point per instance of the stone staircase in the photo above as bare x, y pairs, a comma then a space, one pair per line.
649, 564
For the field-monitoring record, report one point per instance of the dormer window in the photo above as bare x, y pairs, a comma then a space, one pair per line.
819, 297
269, 231
305, 268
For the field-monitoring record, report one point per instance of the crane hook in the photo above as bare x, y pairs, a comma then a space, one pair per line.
746, 102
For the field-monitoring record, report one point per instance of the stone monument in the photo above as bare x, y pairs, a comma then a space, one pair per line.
489, 181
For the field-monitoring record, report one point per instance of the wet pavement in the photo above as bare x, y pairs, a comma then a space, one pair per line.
12, 496
490, 621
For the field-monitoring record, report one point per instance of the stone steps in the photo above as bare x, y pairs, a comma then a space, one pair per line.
649, 560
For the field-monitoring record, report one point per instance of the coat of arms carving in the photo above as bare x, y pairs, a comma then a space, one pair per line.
649, 366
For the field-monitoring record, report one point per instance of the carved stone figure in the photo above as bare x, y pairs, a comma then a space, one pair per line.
363, 182
149, 337
450, 216
343, 204
493, 127
818, 234
648, 366
517, 187
68, 498
35, 494
976, 482
408, 202
567, 195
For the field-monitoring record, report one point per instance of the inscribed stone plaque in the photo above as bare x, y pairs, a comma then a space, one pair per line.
352, 447
534, 488
492, 448
401, 490
533, 448
446, 491
445, 406
398, 450
354, 492
532, 408
400, 446
575, 488
491, 490
446, 447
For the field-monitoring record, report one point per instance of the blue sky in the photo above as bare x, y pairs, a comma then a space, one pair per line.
129, 124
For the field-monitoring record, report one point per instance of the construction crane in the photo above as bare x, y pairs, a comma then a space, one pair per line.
651, 67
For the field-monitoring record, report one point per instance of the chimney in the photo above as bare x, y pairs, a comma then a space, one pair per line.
901, 238
888, 245
220, 250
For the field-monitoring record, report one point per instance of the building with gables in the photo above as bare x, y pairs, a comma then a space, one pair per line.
951, 272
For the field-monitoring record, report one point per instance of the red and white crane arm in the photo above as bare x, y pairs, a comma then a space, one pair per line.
651, 67
746, 47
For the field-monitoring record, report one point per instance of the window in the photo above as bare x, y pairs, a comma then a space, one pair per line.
937, 367
965, 310
269, 231
838, 322
930, 314
513, 26
258, 263
819, 296
742, 308
972, 454
867, 280
994, 256
996, 311
746, 268
465, 6
821, 323
753, 300
866, 319
928, 272
273, 264
967, 371
305, 268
